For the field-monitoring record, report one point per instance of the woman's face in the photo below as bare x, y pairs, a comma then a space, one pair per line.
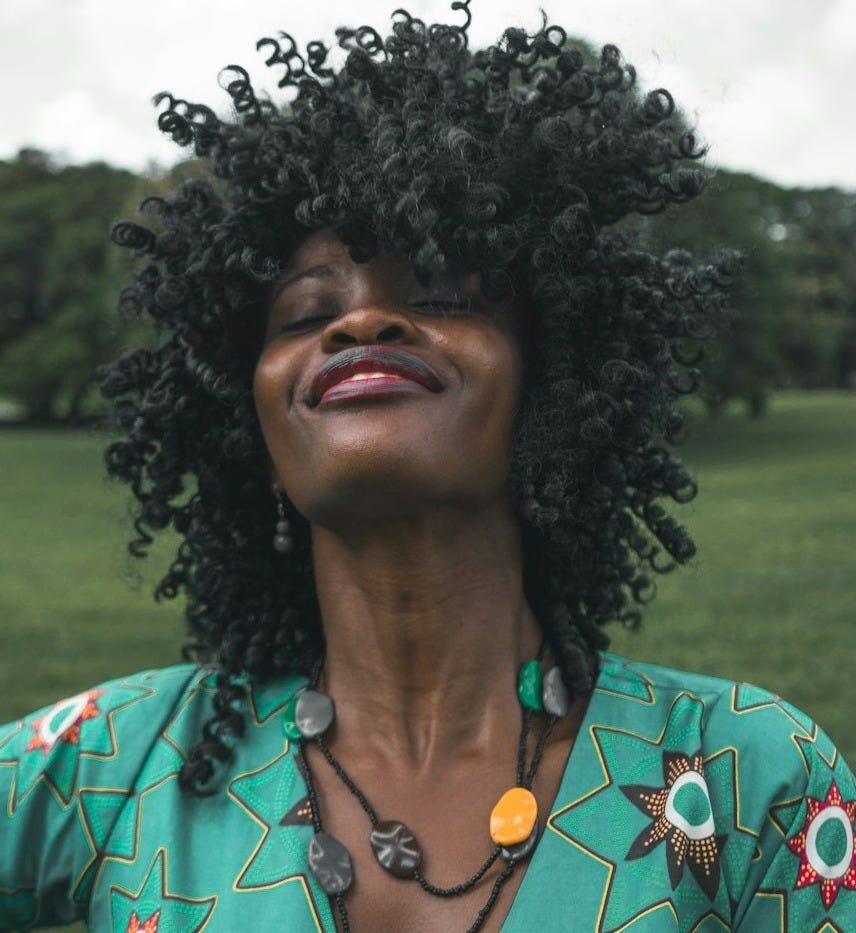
380, 397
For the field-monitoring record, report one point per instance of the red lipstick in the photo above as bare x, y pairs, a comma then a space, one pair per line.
370, 372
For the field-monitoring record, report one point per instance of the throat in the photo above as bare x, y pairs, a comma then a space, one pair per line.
425, 622
429, 703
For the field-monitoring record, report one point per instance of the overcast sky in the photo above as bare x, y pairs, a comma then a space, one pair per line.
769, 82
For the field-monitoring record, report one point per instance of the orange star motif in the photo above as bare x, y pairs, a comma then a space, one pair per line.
150, 926
62, 721
814, 869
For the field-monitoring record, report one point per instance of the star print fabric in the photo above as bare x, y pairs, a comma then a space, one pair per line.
688, 804
66, 774
687, 829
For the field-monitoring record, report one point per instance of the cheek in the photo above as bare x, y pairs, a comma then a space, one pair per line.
264, 391
492, 418
273, 396
502, 374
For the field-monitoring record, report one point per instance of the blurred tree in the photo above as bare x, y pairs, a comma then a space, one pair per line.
819, 237
730, 213
797, 297
58, 279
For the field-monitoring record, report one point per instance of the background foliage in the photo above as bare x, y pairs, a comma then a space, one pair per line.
58, 276
797, 299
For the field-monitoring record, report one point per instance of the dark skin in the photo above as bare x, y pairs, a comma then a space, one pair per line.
417, 560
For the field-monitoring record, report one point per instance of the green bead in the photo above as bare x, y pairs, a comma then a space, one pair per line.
289, 724
529, 682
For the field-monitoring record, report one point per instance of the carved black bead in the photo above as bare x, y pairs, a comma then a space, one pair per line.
313, 713
396, 848
522, 850
554, 693
330, 862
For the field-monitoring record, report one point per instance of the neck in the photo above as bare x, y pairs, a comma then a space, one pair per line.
426, 624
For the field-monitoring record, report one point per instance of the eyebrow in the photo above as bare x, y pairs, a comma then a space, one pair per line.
313, 272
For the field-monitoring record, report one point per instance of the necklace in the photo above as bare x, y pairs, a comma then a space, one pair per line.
514, 825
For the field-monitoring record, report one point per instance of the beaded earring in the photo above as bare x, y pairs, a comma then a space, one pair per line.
283, 542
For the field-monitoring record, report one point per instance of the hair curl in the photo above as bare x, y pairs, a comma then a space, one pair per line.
517, 161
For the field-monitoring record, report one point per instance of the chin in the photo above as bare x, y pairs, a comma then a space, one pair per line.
379, 495
369, 498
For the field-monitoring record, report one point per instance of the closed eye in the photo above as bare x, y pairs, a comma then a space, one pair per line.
305, 324
445, 306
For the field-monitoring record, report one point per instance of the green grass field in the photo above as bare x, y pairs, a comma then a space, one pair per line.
769, 599
771, 596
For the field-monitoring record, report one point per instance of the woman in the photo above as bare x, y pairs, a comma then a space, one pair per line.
408, 414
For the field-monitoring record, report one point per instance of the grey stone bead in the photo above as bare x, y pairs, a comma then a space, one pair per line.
396, 848
554, 693
330, 862
313, 713
283, 527
522, 850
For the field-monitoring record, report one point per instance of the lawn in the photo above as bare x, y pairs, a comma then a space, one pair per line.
75, 608
769, 599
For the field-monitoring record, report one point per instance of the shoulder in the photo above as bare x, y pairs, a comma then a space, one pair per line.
144, 692
728, 715
98, 736
782, 801
67, 772
768, 736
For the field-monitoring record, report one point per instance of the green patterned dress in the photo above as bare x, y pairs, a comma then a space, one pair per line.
688, 804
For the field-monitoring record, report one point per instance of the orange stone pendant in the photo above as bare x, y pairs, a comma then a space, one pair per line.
514, 817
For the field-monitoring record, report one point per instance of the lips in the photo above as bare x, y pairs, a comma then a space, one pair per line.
393, 362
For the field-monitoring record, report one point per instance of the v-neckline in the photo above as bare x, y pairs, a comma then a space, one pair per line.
565, 791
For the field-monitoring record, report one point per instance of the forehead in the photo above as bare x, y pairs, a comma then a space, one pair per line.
324, 248
319, 247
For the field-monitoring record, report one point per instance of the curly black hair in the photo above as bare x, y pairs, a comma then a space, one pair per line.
518, 161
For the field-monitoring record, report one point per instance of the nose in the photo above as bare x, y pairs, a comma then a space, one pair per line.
375, 323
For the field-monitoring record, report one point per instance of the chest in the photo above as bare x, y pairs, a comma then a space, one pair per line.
449, 823
215, 862
239, 868
238, 860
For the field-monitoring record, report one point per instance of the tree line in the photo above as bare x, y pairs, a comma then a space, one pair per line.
60, 277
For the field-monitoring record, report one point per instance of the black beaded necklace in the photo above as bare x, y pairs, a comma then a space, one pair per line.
514, 821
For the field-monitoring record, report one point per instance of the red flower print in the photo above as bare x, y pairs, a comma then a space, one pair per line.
825, 845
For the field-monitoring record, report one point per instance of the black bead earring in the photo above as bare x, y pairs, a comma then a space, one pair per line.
283, 542
527, 504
